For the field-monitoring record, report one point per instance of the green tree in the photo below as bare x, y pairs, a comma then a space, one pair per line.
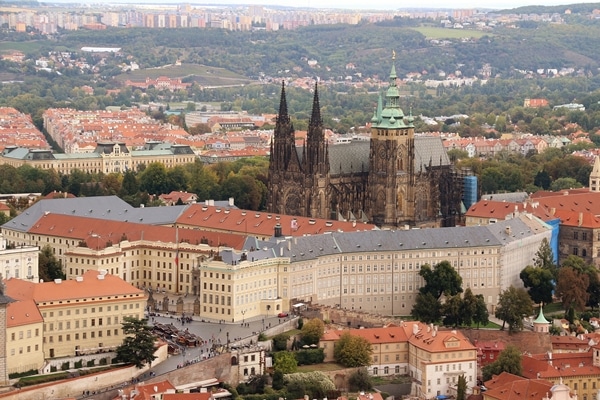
360, 381
138, 346
427, 308
452, 310
153, 179
285, 361
509, 360
564, 183
441, 280
513, 305
461, 388
312, 331
481, 314
468, 307
352, 351
579, 265
572, 288
248, 193
280, 342
50, 267
539, 283
542, 180
544, 258
278, 382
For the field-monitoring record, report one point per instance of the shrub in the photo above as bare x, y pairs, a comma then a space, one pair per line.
300, 323
22, 374
280, 342
104, 361
53, 369
310, 356
78, 364
65, 366
91, 363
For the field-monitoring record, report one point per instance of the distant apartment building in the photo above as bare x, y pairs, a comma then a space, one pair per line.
535, 103
160, 83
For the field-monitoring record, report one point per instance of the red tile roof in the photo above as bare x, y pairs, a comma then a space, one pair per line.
512, 387
22, 312
98, 232
89, 286
561, 365
261, 223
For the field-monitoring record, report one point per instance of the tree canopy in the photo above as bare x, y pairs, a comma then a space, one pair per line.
50, 267
509, 360
139, 343
514, 304
285, 361
352, 351
312, 330
441, 280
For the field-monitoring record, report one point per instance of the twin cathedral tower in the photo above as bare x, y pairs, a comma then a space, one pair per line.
394, 180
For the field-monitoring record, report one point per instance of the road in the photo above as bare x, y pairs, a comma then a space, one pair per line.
211, 332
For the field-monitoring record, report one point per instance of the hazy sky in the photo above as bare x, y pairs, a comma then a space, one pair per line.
353, 4
391, 4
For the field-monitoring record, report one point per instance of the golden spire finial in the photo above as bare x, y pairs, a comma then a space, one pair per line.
393, 54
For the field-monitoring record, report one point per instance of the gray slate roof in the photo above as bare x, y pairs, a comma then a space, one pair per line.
311, 247
354, 157
516, 197
102, 207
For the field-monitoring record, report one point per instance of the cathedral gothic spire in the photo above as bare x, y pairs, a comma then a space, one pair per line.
316, 156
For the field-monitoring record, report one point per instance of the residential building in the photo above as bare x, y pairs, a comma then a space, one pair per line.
512, 387
434, 358
249, 362
80, 316
488, 351
580, 371
24, 336
175, 196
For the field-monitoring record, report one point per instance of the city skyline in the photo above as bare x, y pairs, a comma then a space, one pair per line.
354, 4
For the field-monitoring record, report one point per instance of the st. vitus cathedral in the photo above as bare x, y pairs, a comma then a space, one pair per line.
396, 179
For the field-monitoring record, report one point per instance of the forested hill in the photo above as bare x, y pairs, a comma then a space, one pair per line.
584, 8
365, 46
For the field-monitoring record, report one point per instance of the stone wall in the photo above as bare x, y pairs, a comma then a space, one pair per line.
74, 387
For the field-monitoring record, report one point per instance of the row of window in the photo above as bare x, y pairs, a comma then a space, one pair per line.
93, 334
22, 334
49, 327
84, 310
13, 351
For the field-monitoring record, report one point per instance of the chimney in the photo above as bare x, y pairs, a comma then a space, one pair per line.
231, 202
277, 230
507, 230
580, 221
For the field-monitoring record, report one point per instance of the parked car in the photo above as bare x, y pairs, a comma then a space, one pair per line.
282, 315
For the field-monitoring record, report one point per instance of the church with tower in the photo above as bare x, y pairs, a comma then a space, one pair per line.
396, 179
